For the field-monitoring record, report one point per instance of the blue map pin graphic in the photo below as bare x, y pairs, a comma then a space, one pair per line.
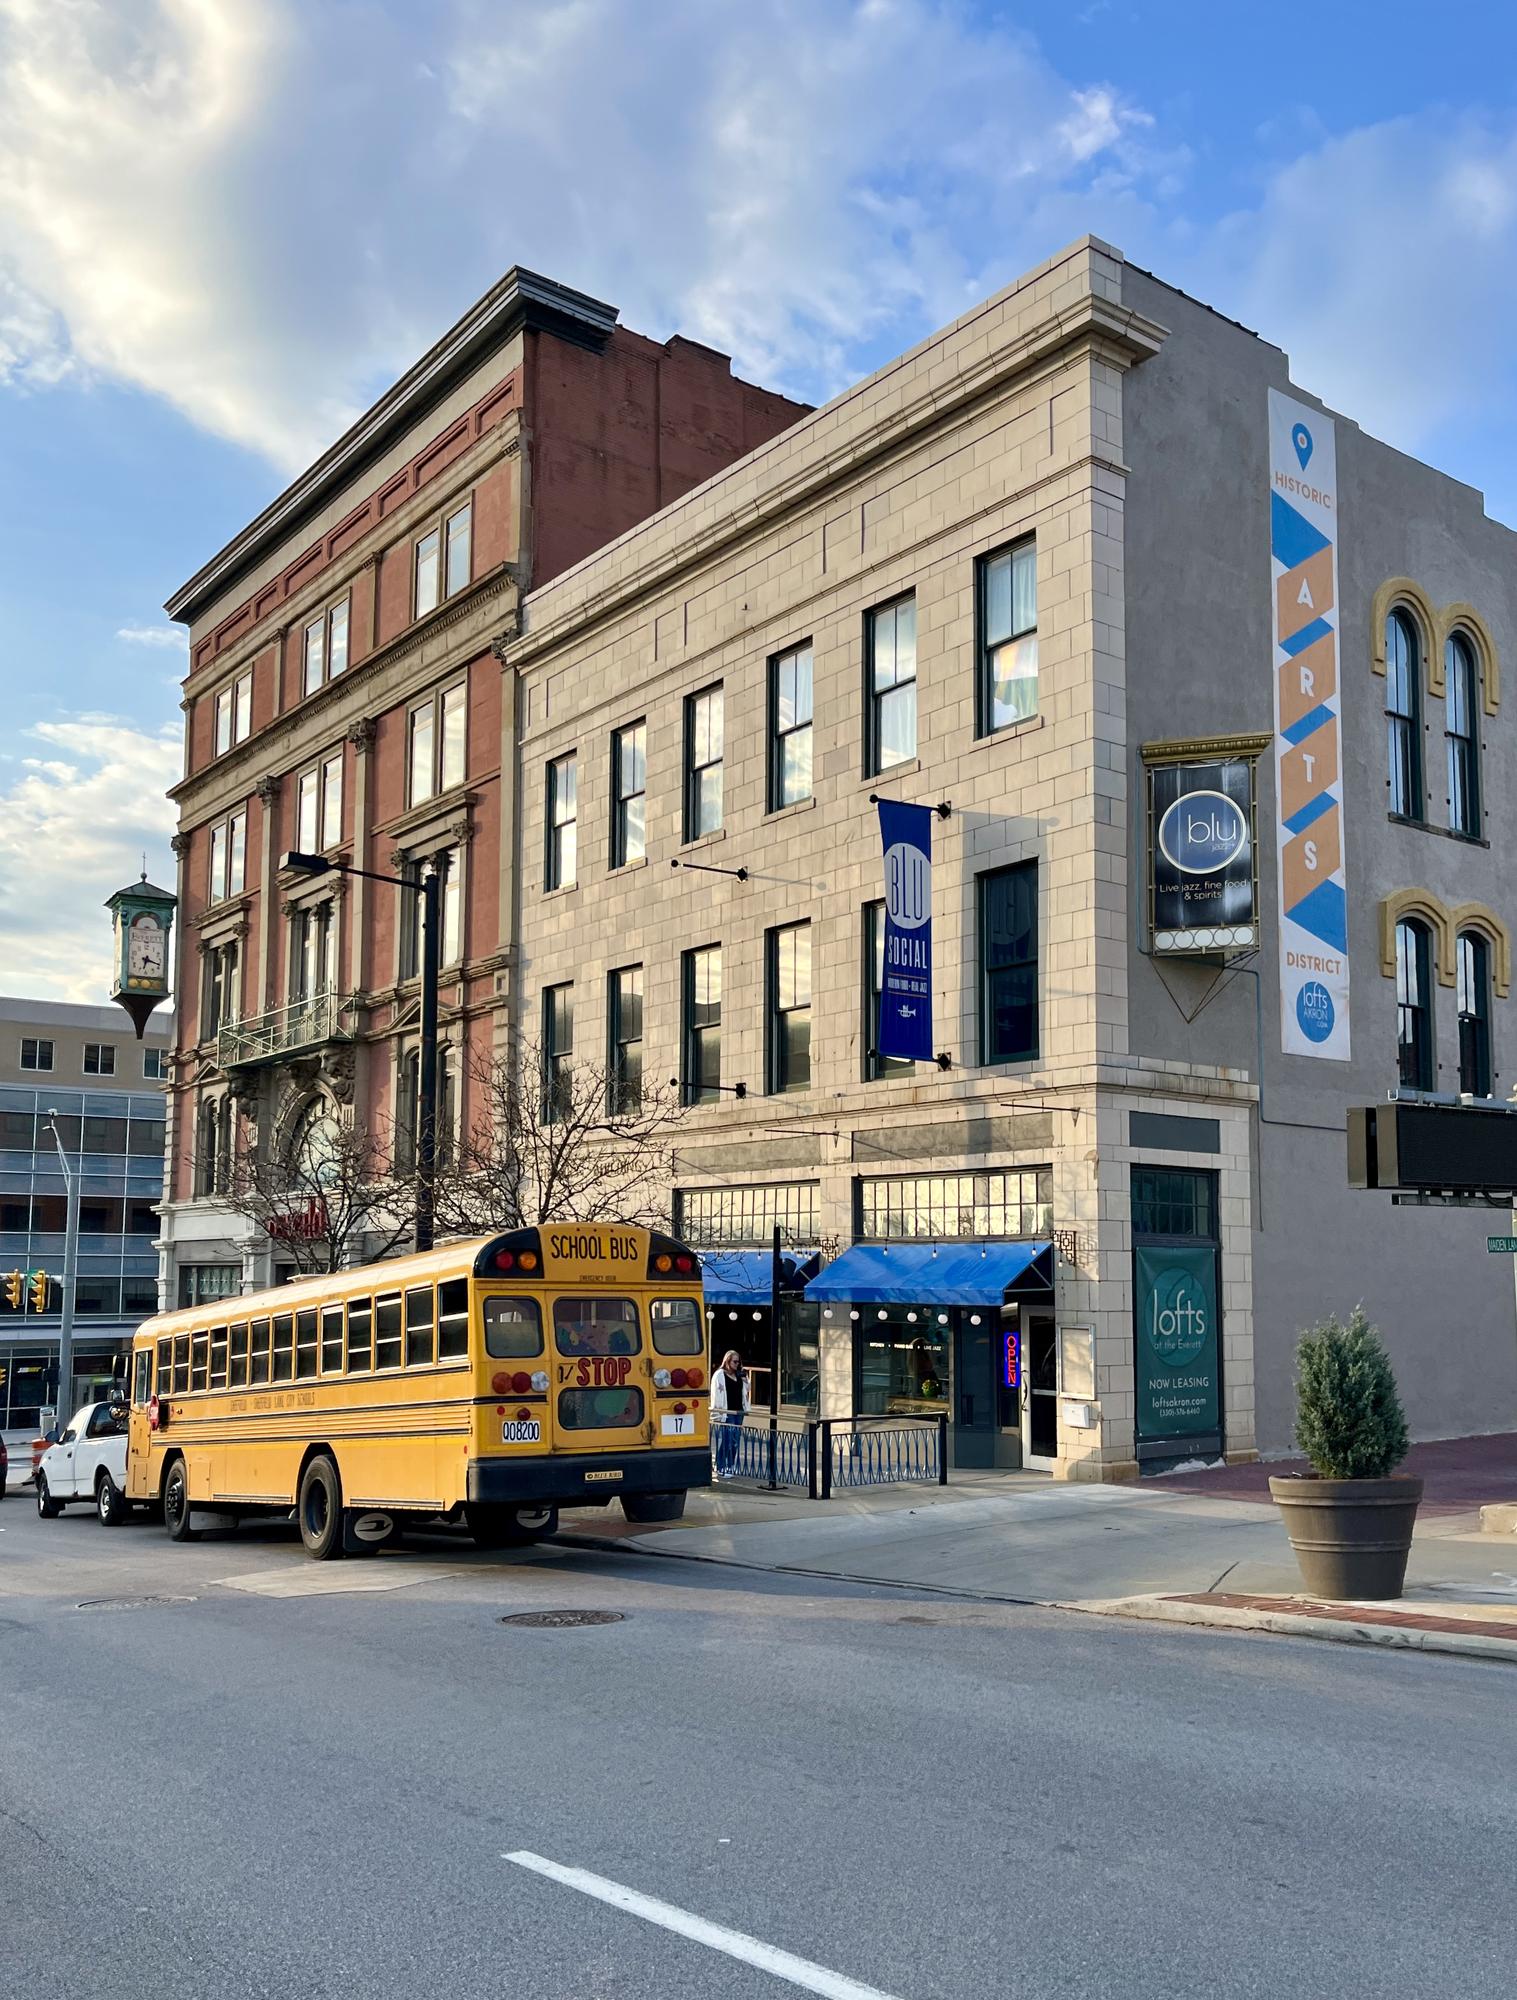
1301, 438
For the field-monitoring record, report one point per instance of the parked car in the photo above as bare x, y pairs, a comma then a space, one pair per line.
87, 1463
5, 1467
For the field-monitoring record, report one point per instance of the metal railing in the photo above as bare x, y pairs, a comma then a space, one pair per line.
819, 1455
302, 1024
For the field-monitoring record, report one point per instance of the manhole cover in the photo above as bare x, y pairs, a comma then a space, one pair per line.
127, 1603
555, 1619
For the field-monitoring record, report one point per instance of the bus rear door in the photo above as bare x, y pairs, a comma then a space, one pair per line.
601, 1361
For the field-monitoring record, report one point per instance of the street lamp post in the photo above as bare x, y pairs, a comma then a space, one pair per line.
70, 1277
429, 888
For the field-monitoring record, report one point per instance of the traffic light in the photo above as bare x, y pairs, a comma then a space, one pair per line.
14, 1281
39, 1291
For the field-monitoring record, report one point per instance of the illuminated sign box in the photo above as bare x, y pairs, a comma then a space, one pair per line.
1203, 878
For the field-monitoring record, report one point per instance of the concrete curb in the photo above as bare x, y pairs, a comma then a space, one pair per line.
1499, 1518
1302, 1625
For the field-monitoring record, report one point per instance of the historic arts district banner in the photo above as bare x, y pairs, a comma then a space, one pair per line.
906, 975
1303, 534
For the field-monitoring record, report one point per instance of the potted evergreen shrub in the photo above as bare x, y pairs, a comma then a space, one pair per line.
1350, 1518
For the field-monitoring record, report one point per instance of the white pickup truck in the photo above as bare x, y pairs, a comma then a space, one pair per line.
87, 1463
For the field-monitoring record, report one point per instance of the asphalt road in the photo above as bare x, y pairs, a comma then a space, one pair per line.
282, 1789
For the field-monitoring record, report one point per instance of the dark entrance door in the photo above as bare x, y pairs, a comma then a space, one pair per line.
974, 1390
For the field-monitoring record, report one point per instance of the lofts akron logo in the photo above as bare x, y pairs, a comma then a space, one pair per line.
1202, 833
1178, 1322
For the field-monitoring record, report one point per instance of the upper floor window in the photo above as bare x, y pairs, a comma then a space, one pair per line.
318, 796
325, 651
435, 749
222, 965
625, 1035
408, 1121
443, 559
229, 843
449, 865
890, 666
789, 1010
1009, 964
1403, 715
234, 713
155, 1065
1007, 638
1473, 965
99, 1059
1414, 993
629, 787
558, 1052
701, 982
1461, 711
213, 1147
36, 1053
790, 727
703, 762
562, 857
874, 978
313, 951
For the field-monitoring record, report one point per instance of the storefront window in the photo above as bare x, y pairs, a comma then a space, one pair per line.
902, 1360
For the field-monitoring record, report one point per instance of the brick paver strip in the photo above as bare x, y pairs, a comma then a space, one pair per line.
1350, 1614
1458, 1474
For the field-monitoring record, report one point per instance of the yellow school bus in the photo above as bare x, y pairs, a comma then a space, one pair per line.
493, 1381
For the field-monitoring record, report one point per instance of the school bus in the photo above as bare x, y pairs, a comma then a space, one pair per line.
492, 1381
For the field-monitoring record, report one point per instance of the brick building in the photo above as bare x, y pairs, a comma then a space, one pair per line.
343, 697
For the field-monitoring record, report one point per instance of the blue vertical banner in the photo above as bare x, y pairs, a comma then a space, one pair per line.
906, 975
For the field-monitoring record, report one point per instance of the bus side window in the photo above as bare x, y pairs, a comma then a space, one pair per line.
387, 1330
258, 1352
331, 1340
453, 1319
360, 1336
239, 1375
142, 1376
200, 1357
419, 1327
284, 1346
165, 1348
218, 1357
305, 1344
181, 1363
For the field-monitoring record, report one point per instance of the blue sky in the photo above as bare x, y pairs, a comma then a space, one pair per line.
225, 225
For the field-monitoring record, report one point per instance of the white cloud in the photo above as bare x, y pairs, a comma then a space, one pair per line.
169, 637
76, 821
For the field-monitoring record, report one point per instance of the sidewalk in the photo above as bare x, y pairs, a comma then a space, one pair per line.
1190, 1548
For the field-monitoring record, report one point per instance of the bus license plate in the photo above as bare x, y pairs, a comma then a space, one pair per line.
517, 1432
678, 1427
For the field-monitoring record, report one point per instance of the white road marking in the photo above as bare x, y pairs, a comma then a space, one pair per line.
331, 1579
736, 1944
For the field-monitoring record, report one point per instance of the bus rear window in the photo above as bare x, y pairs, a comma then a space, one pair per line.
599, 1409
513, 1328
596, 1326
676, 1326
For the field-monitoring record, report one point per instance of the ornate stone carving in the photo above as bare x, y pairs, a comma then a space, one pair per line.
268, 788
180, 842
362, 734
339, 1070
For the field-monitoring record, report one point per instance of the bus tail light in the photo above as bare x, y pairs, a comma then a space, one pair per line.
540, 1380
528, 1260
661, 1379
679, 1409
663, 1262
524, 1415
695, 1377
500, 1382
505, 1260
684, 1264
677, 1378
521, 1382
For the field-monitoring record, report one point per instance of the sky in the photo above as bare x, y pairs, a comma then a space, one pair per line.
227, 225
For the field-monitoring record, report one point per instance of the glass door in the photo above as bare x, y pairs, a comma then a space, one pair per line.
1040, 1390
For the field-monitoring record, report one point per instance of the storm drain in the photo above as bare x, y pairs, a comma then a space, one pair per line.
556, 1620
128, 1603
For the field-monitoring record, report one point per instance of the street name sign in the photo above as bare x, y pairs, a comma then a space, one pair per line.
1497, 1244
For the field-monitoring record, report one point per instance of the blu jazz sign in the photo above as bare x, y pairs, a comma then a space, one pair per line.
905, 1028
1202, 875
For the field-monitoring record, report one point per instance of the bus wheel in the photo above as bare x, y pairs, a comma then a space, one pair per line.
319, 1510
176, 1503
110, 1502
510, 1527
654, 1506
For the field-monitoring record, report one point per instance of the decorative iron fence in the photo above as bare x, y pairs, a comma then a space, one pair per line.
816, 1456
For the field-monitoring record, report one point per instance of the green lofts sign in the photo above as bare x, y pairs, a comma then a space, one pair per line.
1177, 1357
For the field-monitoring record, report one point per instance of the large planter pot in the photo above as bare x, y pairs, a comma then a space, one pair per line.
1351, 1536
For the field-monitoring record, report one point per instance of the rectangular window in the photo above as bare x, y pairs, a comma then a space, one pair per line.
561, 859
701, 983
419, 1327
435, 754
790, 727
789, 982
99, 1059
200, 1361
629, 785
876, 1065
284, 1347
305, 1344
36, 1053
450, 866
234, 713
238, 1377
458, 533
423, 729
453, 705
218, 1357
220, 989
337, 640
897, 1208
360, 1336
258, 1352
558, 1051
331, 800
308, 812
625, 1017
730, 1217
1008, 912
155, 1065
315, 655
703, 762
452, 1319
890, 667
1007, 637
387, 1330
228, 856
331, 1340
313, 952
428, 573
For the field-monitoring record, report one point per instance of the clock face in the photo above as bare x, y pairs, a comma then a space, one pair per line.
144, 949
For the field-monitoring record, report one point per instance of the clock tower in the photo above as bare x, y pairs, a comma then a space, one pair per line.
144, 918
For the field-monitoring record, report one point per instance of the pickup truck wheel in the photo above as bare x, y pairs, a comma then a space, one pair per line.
47, 1507
110, 1502
176, 1503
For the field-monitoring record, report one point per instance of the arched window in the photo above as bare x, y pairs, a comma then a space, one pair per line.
1473, 960
1403, 710
1414, 1000
315, 1144
1462, 709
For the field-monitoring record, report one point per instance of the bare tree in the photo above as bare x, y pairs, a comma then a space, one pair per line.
568, 1142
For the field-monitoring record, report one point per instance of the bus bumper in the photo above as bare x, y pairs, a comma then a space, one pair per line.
586, 1479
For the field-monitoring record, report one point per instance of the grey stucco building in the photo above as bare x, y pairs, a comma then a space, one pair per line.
1088, 541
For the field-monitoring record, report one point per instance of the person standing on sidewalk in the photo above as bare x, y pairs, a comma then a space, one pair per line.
729, 1404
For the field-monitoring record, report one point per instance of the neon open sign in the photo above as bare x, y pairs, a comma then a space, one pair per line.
1011, 1361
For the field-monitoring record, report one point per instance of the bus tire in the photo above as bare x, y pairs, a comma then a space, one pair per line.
654, 1506
110, 1502
48, 1509
509, 1527
318, 1509
176, 1503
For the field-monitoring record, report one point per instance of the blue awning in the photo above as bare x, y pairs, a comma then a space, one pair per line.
936, 1274
742, 1277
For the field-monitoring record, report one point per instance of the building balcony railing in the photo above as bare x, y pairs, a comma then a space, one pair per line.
282, 1032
